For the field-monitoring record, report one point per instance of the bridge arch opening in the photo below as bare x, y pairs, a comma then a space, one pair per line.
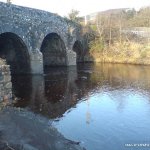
15, 52
78, 49
53, 50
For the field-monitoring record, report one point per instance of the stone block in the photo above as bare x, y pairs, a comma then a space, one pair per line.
8, 85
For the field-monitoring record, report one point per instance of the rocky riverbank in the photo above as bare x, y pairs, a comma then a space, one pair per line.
23, 130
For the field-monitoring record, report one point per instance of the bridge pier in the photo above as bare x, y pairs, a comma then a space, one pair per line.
5, 83
36, 61
71, 58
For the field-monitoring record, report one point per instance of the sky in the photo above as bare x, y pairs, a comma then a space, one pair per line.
63, 7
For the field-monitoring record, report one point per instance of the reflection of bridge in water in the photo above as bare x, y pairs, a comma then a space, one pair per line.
61, 89
50, 95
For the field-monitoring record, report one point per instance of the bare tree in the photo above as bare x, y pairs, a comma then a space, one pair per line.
110, 30
120, 28
73, 15
100, 26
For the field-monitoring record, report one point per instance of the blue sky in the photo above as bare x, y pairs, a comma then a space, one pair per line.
63, 7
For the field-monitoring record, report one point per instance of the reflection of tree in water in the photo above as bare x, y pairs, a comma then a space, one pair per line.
122, 76
121, 80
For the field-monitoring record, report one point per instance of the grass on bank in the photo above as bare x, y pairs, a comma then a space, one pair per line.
120, 52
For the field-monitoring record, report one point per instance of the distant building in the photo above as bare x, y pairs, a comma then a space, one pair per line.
139, 31
91, 18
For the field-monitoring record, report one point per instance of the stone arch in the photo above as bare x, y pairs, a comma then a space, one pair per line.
78, 48
54, 50
15, 52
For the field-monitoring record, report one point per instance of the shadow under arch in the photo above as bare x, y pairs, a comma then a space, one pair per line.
78, 49
15, 52
54, 51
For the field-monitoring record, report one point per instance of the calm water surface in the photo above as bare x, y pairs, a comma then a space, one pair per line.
103, 106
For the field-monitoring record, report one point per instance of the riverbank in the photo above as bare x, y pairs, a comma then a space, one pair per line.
23, 130
123, 53
114, 59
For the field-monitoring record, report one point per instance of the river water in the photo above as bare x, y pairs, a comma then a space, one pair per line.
104, 106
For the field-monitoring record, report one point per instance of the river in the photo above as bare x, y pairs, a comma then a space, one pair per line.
104, 106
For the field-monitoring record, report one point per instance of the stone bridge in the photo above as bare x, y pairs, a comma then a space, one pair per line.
32, 39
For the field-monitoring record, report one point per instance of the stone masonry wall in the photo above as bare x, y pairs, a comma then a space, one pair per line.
5, 83
31, 26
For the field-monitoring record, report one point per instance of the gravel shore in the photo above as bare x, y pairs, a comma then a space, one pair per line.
23, 130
